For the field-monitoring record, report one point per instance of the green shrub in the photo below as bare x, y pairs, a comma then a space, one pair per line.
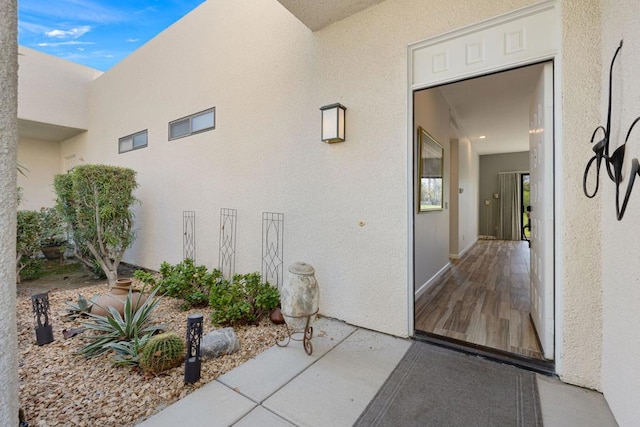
28, 265
162, 352
188, 282
243, 300
53, 230
79, 309
114, 327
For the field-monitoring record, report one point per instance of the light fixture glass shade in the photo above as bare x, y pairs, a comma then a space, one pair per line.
333, 126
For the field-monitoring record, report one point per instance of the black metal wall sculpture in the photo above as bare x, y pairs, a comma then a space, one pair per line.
189, 235
614, 162
227, 251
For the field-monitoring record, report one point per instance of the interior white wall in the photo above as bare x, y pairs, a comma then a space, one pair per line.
431, 238
468, 174
454, 185
42, 158
52, 90
620, 245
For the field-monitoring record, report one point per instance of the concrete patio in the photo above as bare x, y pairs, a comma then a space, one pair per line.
286, 387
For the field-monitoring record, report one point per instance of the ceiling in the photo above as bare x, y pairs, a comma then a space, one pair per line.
317, 14
45, 132
496, 106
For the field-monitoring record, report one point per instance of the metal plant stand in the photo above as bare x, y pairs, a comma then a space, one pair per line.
292, 334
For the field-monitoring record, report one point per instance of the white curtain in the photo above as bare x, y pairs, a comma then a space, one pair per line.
510, 219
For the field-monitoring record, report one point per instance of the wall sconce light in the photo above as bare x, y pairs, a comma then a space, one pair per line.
496, 195
44, 330
333, 123
192, 361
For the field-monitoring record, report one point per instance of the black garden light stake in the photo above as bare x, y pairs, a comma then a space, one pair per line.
44, 330
192, 359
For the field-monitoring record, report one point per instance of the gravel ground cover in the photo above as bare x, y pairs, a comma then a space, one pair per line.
60, 388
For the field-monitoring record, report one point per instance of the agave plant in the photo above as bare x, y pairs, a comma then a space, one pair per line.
79, 309
114, 328
127, 353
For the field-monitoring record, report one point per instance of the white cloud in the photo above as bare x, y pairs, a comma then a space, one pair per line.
73, 33
68, 43
133, 40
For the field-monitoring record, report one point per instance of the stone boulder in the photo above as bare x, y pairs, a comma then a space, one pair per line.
218, 343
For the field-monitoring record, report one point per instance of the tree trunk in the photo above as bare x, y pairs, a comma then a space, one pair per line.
8, 205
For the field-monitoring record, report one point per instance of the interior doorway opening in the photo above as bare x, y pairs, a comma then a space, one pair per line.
481, 297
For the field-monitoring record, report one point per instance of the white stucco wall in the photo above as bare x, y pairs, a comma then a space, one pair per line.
53, 90
42, 158
620, 245
468, 167
267, 75
579, 253
431, 241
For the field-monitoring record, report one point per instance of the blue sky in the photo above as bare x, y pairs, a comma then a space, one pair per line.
95, 33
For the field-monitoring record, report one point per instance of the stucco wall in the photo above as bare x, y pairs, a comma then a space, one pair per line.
620, 245
42, 158
53, 90
579, 247
490, 166
431, 239
267, 75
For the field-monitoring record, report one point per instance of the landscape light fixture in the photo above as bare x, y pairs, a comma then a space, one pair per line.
44, 330
333, 123
192, 361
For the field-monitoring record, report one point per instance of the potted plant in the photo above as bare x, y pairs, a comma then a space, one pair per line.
53, 234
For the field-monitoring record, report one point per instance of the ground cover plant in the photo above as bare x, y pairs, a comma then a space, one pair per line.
58, 387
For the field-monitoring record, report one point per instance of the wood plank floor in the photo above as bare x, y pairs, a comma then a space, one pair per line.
483, 299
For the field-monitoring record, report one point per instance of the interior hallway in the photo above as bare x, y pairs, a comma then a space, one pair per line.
483, 299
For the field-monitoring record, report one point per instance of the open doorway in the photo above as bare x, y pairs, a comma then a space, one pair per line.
487, 293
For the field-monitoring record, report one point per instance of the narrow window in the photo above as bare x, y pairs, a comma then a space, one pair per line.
132, 142
195, 123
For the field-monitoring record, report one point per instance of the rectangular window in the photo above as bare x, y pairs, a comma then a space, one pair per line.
132, 142
195, 123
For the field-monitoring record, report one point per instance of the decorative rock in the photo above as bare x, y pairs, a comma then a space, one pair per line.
276, 316
219, 343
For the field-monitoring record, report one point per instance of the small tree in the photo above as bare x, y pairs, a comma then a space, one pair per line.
96, 200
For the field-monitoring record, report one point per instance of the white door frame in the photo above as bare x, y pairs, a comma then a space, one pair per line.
528, 35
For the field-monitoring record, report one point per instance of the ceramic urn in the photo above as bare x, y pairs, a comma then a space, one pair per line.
300, 296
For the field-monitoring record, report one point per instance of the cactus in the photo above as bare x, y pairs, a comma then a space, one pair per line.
162, 352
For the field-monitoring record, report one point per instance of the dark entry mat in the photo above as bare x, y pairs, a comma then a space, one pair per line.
434, 386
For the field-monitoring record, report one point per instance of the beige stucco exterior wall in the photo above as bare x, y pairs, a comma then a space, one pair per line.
345, 204
42, 158
53, 90
620, 246
579, 269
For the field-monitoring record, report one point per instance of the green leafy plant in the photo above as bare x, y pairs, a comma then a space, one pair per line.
27, 245
162, 352
81, 308
95, 201
53, 230
127, 353
245, 299
136, 322
188, 282
149, 279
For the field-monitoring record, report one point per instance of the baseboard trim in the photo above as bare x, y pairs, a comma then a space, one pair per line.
422, 289
464, 251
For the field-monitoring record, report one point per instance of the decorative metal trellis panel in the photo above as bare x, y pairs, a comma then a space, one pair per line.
227, 254
189, 235
272, 247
